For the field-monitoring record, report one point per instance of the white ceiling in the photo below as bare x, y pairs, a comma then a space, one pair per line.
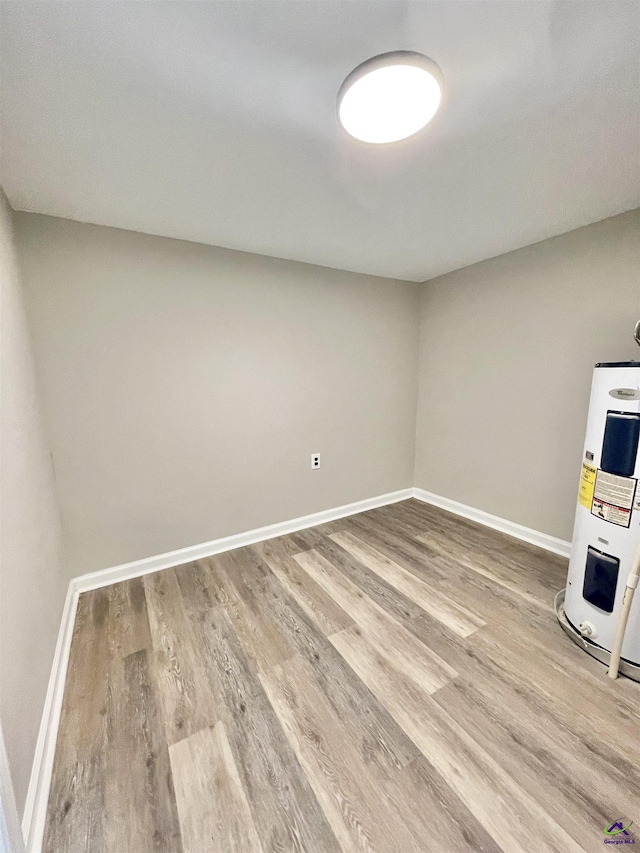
215, 122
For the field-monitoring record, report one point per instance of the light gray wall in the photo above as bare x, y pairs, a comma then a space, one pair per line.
33, 581
185, 387
507, 348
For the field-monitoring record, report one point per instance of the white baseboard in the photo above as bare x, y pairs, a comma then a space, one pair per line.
35, 809
518, 531
106, 577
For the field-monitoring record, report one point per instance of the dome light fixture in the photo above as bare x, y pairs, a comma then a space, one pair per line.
390, 97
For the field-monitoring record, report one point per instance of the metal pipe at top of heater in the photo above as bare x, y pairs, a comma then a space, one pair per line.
630, 588
636, 333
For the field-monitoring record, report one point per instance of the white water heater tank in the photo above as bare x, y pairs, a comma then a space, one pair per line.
606, 534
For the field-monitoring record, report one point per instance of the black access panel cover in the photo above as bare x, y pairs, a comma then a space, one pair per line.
601, 579
620, 445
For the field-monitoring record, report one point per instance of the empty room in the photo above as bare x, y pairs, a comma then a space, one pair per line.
320, 426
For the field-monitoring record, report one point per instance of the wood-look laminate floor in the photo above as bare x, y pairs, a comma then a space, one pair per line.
394, 681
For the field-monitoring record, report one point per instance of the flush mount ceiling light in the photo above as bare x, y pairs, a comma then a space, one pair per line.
390, 97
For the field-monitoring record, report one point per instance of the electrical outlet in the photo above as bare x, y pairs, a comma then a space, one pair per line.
315, 460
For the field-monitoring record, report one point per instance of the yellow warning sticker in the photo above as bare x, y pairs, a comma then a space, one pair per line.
587, 485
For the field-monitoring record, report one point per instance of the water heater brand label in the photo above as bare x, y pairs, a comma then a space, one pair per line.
625, 393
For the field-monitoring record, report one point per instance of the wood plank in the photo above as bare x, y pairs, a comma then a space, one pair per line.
488, 568
383, 631
285, 811
505, 678
140, 806
353, 796
543, 572
322, 609
128, 620
555, 768
412, 554
311, 537
280, 546
586, 694
439, 817
178, 668
476, 590
550, 569
437, 559
76, 810
458, 619
274, 628
247, 592
380, 591
496, 800
212, 805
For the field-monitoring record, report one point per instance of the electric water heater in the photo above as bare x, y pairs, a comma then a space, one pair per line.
606, 535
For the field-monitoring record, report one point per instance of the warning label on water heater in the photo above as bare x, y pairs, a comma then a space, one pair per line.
587, 483
613, 498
